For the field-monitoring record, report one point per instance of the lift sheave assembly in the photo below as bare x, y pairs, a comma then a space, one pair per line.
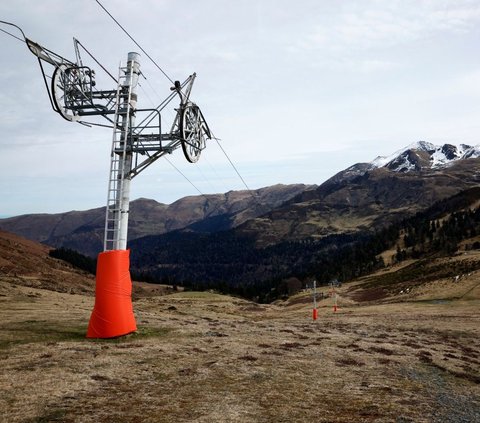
138, 141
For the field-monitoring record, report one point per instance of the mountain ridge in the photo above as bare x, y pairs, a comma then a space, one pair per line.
349, 202
358, 198
83, 230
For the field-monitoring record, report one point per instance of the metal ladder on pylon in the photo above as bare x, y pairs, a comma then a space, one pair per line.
120, 164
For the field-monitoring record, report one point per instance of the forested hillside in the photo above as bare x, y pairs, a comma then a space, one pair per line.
232, 263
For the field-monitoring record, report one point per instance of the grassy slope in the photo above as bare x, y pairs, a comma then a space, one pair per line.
411, 357
403, 347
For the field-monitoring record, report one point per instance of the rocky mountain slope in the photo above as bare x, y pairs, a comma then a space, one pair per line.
366, 196
83, 230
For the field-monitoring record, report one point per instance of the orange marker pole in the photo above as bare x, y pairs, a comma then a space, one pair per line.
315, 311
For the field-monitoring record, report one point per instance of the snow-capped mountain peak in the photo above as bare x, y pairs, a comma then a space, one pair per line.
424, 155
418, 156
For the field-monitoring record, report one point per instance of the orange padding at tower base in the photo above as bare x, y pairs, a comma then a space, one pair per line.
112, 314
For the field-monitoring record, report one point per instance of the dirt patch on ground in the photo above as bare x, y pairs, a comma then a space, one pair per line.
372, 294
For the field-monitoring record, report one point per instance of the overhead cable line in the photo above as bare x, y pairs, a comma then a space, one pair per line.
96, 61
136, 43
216, 176
234, 167
185, 176
207, 180
171, 80
12, 35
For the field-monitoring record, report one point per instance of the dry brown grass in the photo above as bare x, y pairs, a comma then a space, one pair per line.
204, 357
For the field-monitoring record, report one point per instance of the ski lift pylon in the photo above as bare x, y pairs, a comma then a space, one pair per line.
74, 95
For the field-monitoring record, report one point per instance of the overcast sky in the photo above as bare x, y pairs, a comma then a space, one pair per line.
296, 90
